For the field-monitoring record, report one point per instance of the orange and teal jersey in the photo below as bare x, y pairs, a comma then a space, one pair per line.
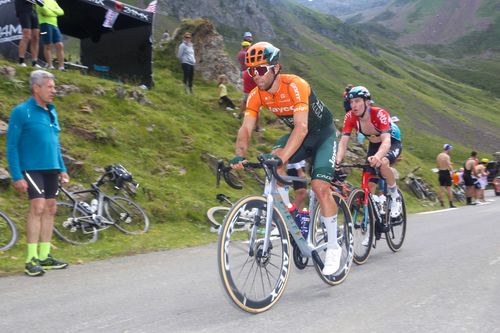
294, 95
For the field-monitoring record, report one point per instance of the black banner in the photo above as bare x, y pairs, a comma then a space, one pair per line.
10, 29
123, 8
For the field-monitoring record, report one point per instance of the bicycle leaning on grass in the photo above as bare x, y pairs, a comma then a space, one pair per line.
78, 222
8, 232
254, 266
371, 217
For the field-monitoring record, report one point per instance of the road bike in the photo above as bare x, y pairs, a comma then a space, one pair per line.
254, 266
419, 188
78, 222
371, 217
8, 232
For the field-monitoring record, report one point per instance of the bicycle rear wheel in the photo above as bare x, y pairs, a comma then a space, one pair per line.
8, 232
128, 216
363, 226
416, 189
397, 227
253, 280
344, 239
72, 226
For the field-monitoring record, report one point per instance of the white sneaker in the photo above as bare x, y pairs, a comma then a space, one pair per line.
229, 108
332, 261
23, 64
37, 66
366, 241
396, 207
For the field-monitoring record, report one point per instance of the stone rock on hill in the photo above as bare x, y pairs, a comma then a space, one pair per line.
211, 59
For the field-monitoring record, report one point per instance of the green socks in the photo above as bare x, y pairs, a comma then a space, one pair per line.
44, 250
32, 251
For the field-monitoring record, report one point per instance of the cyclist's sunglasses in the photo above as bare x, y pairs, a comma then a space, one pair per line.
261, 70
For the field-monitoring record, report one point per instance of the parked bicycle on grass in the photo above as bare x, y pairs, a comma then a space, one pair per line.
419, 188
78, 222
8, 232
255, 266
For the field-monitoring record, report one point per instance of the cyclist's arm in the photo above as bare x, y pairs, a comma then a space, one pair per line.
384, 146
343, 143
244, 135
299, 132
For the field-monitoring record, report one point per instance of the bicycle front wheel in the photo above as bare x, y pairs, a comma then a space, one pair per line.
8, 232
72, 226
253, 279
363, 226
344, 239
397, 227
128, 216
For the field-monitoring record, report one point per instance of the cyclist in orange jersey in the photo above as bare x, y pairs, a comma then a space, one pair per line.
312, 134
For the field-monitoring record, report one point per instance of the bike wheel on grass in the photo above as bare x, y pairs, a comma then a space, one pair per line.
8, 232
71, 225
397, 227
128, 216
363, 228
253, 280
344, 239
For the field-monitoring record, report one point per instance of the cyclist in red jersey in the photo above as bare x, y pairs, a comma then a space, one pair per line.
312, 134
384, 137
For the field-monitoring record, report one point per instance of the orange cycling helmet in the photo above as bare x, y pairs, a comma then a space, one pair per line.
262, 53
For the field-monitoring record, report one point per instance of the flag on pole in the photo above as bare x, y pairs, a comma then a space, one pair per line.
110, 19
152, 6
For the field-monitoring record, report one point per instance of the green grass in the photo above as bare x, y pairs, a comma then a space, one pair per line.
163, 144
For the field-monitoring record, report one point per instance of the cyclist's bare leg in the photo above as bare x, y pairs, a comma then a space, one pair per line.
323, 193
48, 220
386, 171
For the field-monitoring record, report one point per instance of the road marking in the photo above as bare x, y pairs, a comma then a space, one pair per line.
493, 262
436, 211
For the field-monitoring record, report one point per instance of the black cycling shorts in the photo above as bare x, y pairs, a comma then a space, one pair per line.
444, 178
42, 183
28, 20
468, 179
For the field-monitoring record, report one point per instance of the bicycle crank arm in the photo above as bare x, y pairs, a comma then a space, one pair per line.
317, 259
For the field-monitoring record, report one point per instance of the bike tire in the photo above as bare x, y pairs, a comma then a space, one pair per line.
240, 264
74, 232
395, 236
344, 238
8, 232
363, 226
216, 215
417, 191
127, 215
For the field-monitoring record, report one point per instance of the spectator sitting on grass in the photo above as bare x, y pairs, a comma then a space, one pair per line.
224, 100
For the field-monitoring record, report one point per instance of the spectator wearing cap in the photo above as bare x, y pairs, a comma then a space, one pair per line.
187, 59
445, 169
247, 36
241, 55
482, 179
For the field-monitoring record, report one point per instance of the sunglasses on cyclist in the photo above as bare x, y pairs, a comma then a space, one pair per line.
261, 70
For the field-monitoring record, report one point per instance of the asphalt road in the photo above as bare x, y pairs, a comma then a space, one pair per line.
445, 279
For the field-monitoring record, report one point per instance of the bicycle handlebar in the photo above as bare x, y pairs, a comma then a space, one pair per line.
269, 164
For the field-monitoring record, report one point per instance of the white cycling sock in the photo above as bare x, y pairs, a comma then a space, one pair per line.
393, 191
331, 229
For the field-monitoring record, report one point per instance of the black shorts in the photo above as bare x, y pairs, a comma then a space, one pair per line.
468, 179
444, 178
296, 185
42, 183
28, 20
392, 154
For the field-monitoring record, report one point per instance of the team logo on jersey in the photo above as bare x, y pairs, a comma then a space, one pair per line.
295, 90
282, 96
382, 118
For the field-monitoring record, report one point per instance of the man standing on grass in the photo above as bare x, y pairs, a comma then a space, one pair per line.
36, 165
445, 169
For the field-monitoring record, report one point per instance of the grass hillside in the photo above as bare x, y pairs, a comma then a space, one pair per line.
163, 143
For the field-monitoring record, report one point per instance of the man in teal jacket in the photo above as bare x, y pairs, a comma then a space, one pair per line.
35, 162
51, 35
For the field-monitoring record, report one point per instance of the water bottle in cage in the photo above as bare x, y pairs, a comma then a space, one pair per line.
305, 219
